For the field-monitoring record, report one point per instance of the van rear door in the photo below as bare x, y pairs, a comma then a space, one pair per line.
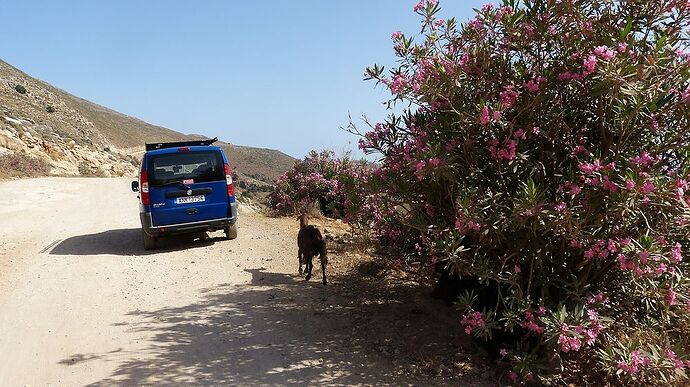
187, 186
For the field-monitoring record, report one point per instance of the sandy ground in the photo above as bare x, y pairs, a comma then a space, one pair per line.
81, 303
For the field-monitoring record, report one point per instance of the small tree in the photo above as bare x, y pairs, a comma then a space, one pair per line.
20, 89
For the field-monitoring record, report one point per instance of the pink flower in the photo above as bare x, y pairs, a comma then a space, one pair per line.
508, 151
647, 187
484, 118
590, 65
464, 226
599, 297
419, 170
399, 83
568, 343
579, 149
503, 352
472, 321
536, 130
396, 35
622, 47
586, 168
643, 160
505, 10
653, 124
424, 3
644, 257
435, 162
670, 297
637, 360
560, 207
530, 322
630, 185
604, 52
520, 133
508, 96
533, 85
609, 185
677, 363
572, 188
676, 254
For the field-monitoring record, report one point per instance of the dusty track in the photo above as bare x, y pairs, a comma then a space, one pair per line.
81, 303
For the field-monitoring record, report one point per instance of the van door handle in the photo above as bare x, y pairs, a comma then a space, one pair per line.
192, 211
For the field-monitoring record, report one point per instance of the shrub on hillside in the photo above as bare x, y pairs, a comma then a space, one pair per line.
320, 178
22, 165
20, 89
85, 169
546, 153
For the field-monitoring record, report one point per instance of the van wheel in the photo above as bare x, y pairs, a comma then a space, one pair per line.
149, 241
231, 231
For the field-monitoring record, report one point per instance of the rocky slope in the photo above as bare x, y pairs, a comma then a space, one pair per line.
73, 136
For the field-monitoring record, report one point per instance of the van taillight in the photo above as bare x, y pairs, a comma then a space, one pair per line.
228, 180
144, 182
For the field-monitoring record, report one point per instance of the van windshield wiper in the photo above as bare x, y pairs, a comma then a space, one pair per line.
175, 182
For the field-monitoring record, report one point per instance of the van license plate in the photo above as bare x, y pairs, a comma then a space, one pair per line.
190, 199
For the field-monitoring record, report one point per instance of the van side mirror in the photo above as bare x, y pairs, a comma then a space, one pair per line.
135, 186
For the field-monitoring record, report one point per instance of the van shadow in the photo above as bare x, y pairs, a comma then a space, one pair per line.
128, 242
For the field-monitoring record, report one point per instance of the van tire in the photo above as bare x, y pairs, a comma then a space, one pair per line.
149, 241
231, 231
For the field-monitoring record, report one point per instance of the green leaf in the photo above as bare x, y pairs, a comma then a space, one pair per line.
627, 29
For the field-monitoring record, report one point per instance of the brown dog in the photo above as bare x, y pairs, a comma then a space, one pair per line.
310, 243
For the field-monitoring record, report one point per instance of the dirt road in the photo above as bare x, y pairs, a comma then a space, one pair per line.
81, 303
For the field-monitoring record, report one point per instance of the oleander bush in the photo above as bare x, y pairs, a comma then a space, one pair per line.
545, 150
321, 179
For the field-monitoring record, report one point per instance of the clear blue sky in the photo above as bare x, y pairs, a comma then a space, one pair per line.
275, 74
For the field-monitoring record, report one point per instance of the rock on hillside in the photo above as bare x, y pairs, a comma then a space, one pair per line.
37, 123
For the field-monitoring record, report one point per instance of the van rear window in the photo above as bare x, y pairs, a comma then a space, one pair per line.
198, 167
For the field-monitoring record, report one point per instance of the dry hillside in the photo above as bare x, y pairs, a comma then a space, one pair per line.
61, 134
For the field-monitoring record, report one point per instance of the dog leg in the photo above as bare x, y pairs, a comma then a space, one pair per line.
309, 267
301, 261
324, 263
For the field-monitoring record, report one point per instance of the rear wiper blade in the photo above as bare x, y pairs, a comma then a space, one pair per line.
175, 182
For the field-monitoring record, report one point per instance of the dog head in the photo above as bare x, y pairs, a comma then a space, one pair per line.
303, 220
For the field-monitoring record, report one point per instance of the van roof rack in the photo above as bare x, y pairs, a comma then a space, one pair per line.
176, 144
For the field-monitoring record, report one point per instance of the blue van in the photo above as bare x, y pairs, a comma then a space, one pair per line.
185, 187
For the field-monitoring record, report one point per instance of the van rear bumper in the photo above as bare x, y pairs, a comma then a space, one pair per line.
183, 228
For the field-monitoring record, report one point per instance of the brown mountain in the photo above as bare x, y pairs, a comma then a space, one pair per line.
60, 134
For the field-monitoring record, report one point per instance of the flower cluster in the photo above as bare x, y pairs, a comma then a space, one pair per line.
472, 321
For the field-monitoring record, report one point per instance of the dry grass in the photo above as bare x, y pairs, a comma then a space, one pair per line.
21, 165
